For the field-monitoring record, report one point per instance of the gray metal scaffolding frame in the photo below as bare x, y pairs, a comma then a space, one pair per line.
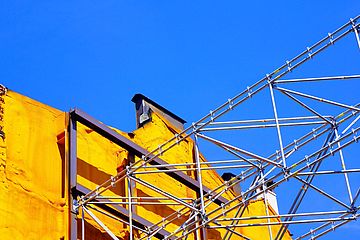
277, 168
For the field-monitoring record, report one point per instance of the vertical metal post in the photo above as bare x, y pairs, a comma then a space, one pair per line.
72, 176
344, 168
131, 160
277, 124
130, 205
82, 224
197, 233
198, 170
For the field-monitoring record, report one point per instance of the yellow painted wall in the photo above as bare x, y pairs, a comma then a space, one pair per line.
33, 190
31, 201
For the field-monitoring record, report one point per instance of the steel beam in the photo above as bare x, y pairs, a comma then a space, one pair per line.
132, 147
72, 170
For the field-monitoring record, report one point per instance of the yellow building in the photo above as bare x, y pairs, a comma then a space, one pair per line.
41, 182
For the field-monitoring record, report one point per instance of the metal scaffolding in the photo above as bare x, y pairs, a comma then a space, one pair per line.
326, 134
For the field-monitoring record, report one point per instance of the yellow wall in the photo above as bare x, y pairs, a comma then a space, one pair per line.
31, 201
33, 195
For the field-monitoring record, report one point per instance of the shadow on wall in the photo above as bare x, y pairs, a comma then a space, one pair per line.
98, 177
163, 211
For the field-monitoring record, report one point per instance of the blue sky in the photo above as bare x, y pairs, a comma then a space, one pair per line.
188, 56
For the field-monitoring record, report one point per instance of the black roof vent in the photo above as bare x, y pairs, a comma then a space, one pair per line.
145, 106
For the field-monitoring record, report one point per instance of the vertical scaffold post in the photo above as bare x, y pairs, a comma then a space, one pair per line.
72, 129
201, 192
130, 206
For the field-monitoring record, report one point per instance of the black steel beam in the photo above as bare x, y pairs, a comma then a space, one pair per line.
132, 147
72, 179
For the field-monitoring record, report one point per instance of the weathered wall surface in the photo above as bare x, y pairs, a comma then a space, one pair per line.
32, 205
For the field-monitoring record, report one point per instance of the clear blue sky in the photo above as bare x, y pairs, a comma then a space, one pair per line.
189, 56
